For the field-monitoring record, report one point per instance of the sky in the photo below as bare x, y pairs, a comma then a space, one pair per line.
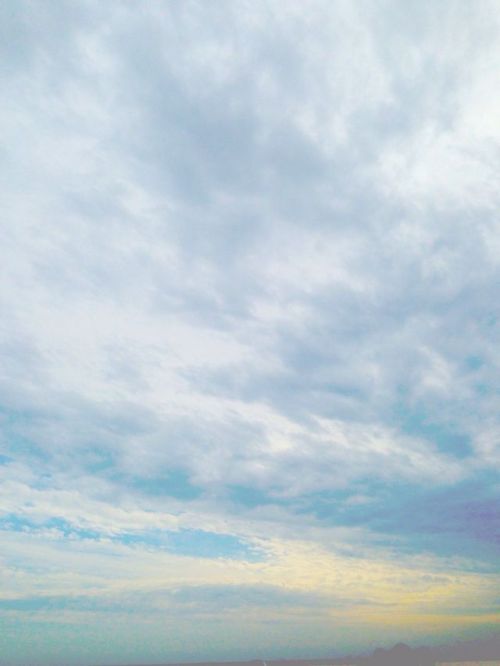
249, 328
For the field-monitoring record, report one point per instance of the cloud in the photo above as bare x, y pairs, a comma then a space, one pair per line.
249, 293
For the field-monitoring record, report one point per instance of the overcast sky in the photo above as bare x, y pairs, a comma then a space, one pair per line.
249, 327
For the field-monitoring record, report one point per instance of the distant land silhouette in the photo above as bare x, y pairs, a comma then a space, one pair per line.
474, 651
403, 655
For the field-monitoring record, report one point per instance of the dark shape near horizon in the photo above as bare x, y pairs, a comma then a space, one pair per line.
486, 649
400, 655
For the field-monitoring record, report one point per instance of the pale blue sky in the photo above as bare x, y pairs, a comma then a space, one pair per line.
249, 301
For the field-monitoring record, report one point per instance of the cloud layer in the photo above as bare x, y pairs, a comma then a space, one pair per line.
249, 327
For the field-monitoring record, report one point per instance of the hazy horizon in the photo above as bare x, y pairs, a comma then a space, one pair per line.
249, 328
477, 652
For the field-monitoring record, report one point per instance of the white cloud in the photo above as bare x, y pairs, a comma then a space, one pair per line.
253, 245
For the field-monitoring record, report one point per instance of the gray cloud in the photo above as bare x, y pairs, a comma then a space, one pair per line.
174, 191
250, 263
